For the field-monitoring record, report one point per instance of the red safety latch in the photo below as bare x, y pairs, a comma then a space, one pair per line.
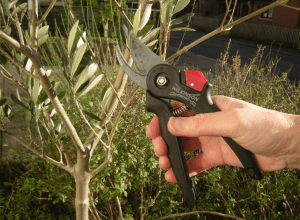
195, 80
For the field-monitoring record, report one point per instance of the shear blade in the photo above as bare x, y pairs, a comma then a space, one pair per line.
143, 57
133, 75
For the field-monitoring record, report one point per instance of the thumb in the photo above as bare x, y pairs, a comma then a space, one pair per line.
223, 123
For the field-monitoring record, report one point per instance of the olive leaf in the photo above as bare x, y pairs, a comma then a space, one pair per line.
2, 101
181, 4
22, 7
78, 56
86, 75
95, 82
18, 102
72, 36
182, 19
136, 22
42, 31
151, 35
182, 29
91, 115
146, 28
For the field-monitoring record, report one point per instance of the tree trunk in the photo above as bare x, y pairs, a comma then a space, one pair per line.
82, 179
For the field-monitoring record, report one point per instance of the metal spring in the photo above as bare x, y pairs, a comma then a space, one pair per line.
179, 111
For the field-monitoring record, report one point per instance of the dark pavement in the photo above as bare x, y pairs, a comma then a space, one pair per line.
205, 54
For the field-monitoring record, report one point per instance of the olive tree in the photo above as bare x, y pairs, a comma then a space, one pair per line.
82, 69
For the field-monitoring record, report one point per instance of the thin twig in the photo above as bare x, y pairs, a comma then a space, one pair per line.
10, 77
99, 168
18, 65
33, 150
291, 7
122, 11
200, 212
117, 198
46, 13
88, 124
217, 31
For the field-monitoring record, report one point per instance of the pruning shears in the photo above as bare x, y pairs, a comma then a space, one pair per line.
164, 83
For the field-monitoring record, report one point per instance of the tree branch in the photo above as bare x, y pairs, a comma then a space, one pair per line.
18, 65
101, 167
200, 212
46, 13
10, 77
68, 168
121, 79
15, 44
122, 11
217, 31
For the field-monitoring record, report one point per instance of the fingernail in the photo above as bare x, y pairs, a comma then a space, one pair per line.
176, 123
192, 174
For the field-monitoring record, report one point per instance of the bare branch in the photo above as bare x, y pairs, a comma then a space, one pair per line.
101, 167
18, 65
12, 42
122, 11
46, 13
217, 31
119, 85
88, 124
33, 150
35, 27
200, 212
67, 156
291, 7
7, 75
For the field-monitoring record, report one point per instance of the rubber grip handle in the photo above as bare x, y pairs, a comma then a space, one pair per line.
245, 156
175, 149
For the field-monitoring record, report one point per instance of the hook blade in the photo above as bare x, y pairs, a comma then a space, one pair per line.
133, 75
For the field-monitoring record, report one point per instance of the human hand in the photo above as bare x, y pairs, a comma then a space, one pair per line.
267, 133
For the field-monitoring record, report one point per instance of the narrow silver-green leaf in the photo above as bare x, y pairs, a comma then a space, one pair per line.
35, 91
106, 97
42, 40
151, 35
11, 4
181, 4
182, 29
42, 31
182, 19
2, 101
146, 28
7, 110
92, 84
136, 22
167, 11
78, 57
72, 36
91, 115
18, 102
18, 95
5, 4
86, 74
152, 43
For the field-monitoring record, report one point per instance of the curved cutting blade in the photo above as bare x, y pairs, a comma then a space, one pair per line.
136, 77
143, 57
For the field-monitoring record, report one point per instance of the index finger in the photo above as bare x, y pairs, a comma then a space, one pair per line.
153, 129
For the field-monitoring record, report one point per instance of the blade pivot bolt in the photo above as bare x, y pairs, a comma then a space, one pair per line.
161, 80
192, 84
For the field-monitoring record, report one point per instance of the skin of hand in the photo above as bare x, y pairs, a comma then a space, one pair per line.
270, 135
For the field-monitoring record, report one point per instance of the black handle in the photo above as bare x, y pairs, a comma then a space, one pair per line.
245, 156
161, 108
176, 89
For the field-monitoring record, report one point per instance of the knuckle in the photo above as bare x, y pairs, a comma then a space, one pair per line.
199, 122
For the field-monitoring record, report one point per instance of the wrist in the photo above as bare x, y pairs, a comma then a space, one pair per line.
293, 160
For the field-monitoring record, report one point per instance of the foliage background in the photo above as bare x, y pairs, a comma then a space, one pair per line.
134, 175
